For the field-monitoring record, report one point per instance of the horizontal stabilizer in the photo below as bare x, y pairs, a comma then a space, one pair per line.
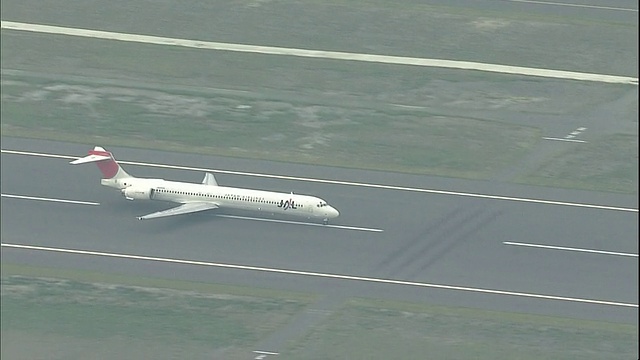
182, 209
90, 158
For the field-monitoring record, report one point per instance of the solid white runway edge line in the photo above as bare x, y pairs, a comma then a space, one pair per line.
321, 275
347, 183
24, 197
553, 247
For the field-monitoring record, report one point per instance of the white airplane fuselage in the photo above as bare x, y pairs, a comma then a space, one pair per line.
268, 202
205, 196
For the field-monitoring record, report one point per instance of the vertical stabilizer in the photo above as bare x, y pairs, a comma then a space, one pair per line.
106, 163
209, 179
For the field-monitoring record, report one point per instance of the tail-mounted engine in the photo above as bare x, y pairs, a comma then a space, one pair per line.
137, 193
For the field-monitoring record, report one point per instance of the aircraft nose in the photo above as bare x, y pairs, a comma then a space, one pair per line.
334, 213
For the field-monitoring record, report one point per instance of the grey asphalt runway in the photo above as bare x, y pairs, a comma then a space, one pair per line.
427, 238
456, 249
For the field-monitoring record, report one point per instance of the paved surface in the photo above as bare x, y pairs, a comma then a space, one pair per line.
590, 38
441, 239
438, 239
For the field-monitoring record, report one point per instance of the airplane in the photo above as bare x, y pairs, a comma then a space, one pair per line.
208, 195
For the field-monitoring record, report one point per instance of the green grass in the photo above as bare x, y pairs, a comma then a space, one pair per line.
275, 128
370, 329
517, 37
106, 313
135, 316
87, 276
471, 124
609, 163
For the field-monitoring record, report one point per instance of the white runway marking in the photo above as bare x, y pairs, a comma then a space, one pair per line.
348, 183
567, 140
575, 133
345, 227
575, 5
320, 275
28, 153
552, 247
24, 197
263, 354
409, 106
334, 55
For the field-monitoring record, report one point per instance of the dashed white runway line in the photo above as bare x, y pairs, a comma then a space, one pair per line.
25, 197
564, 248
321, 275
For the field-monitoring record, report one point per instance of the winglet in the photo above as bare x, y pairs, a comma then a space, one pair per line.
209, 179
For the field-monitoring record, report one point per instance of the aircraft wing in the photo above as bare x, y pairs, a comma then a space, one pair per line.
182, 209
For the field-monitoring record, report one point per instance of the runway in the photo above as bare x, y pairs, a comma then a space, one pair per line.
335, 67
437, 239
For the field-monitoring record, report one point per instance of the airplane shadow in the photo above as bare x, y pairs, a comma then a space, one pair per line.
176, 223
131, 210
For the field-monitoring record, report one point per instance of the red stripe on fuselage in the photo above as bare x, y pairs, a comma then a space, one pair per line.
109, 167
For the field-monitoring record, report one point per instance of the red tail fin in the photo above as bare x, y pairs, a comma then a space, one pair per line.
105, 161
108, 167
